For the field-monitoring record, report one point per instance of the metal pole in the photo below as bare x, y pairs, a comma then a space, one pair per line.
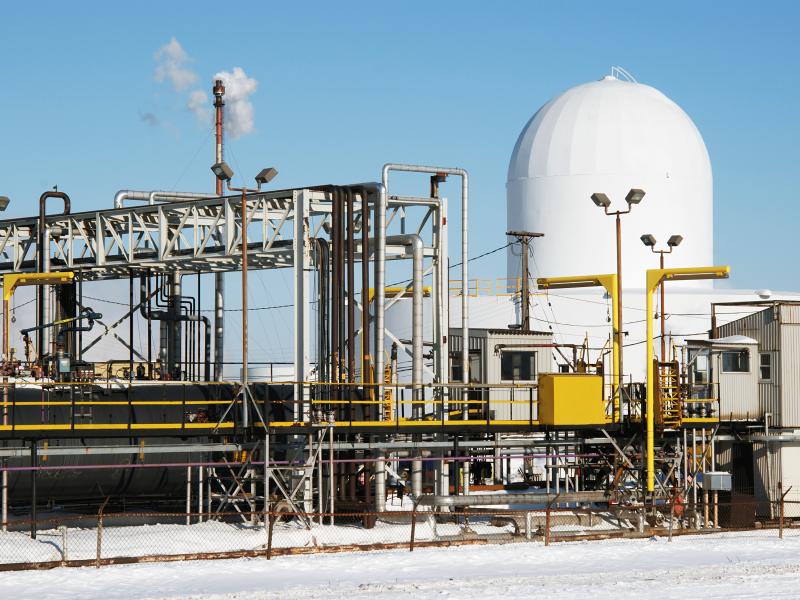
219, 278
663, 326
245, 389
621, 372
526, 294
201, 471
34, 464
188, 495
6, 358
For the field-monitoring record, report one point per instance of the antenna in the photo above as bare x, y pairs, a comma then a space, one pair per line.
621, 73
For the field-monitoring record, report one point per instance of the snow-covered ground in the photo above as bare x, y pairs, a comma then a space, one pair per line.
751, 565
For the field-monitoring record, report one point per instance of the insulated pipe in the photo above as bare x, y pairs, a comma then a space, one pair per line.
464, 248
219, 324
365, 357
43, 261
415, 243
152, 196
351, 297
335, 285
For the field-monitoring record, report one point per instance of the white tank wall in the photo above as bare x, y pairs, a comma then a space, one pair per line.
610, 136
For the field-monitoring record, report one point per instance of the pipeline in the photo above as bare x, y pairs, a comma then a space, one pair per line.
152, 197
43, 261
170, 316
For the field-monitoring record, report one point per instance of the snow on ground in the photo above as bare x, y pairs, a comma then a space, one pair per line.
755, 564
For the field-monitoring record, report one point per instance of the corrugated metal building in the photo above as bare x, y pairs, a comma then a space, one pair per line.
508, 356
775, 448
777, 331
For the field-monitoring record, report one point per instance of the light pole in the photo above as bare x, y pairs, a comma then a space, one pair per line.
673, 242
224, 173
634, 196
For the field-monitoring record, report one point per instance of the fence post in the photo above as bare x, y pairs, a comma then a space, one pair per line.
547, 525
413, 525
271, 519
100, 531
64, 553
528, 525
780, 519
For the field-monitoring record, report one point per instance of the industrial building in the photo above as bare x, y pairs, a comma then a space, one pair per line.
562, 361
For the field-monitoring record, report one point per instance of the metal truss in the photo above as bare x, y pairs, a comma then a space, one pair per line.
193, 235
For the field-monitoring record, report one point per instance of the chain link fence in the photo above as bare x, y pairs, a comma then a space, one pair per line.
102, 539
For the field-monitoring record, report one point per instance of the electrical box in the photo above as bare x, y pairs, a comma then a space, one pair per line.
716, 481
571, 399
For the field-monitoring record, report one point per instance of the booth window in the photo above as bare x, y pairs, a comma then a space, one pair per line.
765, 364
736, 361
518, 366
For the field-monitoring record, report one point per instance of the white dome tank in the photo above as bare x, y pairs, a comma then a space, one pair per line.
610, 136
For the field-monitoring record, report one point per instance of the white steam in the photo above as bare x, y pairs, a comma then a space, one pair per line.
240, 119
198, 103
171, 66
171, 61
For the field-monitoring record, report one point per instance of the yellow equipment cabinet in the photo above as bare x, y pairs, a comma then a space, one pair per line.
571, 399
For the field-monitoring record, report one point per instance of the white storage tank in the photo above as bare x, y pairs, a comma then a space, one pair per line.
610, 136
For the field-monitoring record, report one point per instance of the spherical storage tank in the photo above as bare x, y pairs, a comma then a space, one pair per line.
610, 136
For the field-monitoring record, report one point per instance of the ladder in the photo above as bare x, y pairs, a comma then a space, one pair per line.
668, 395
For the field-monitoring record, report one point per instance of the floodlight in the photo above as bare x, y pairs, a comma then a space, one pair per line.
266, 175
648, 240
674, 240
601, 200
222, 171
4, 201
634, 196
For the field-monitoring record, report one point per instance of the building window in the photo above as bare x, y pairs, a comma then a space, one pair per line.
518, 366
736, 362
765, 364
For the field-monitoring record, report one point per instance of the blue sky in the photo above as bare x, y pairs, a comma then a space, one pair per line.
345, 87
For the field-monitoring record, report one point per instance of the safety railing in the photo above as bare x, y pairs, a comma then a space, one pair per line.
214, 406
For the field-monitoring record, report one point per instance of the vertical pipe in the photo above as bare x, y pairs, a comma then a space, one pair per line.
219, 278
351, 297
201, 472
620, 321
331, 475
149, 326
188, 495
365, 357
335, 285
34, 465
130, 325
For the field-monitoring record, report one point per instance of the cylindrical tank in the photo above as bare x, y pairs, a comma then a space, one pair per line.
610, 136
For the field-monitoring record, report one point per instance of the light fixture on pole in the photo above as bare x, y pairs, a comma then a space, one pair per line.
225, 173
634, 196
673, 242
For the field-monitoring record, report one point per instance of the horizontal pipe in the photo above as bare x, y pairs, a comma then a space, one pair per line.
152, 196
489, 499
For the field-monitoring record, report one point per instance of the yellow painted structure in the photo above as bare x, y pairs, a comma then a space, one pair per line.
654, 279
609, 282
571, 399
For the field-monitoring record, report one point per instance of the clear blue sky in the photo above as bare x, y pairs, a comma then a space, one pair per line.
345, 87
